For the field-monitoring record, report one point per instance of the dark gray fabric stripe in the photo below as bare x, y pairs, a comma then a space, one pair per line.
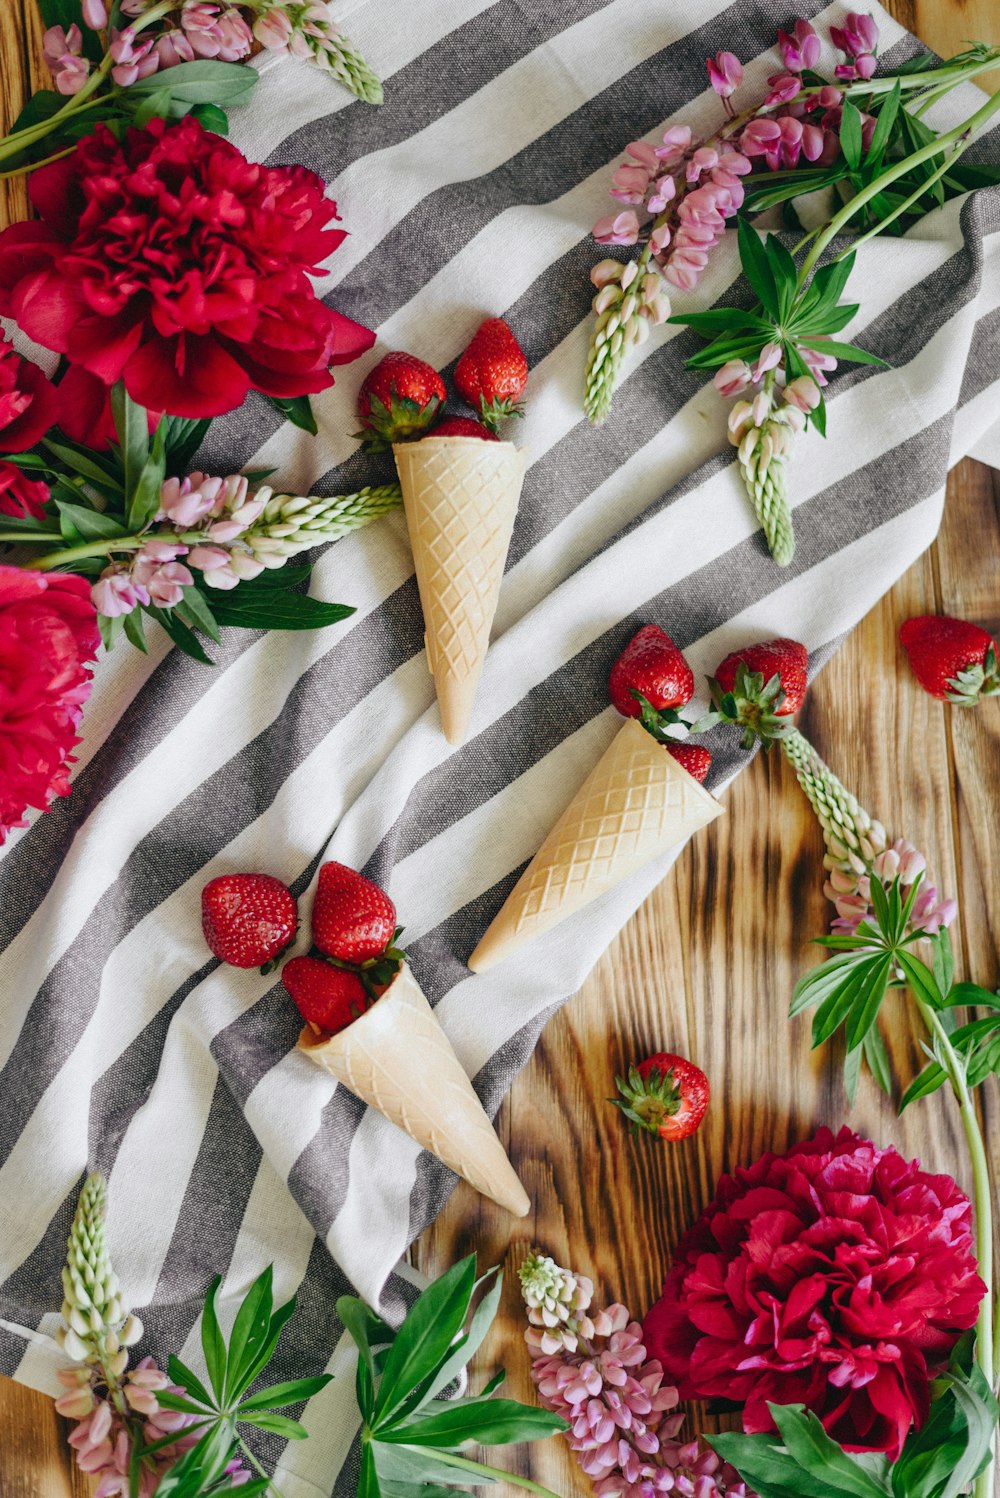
35, 1288
446, 220
208, 1222
983, 365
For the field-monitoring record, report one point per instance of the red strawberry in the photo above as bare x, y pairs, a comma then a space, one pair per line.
353, 920
400, 397
329, 997
696, 760
652, 665
952, 659
248, 919
492, 372
462, 426
665, 1095
761, 688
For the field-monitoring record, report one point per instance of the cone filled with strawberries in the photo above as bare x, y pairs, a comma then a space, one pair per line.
367, 1022
461, 488
642, 797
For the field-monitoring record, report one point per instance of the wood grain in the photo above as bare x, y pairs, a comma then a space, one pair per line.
707, 965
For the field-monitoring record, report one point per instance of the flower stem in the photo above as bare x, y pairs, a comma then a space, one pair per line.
105, 547
897, 170
907, 204
465, 1465
257, 1466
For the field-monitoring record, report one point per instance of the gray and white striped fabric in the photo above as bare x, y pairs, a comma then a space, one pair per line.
470, 192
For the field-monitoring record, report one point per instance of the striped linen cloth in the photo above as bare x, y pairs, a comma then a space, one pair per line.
469, 193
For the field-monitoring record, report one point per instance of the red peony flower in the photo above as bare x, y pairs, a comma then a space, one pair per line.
19, 495
85, 410
28, 403
837, 1276
48, 634
172, 262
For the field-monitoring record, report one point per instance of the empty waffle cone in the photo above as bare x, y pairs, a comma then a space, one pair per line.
397, 1058
635, 804
460, 495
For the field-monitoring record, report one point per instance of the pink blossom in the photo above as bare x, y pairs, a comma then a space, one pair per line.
165, 582
62, 51
803, 393
208, 558
769, 358
273, 30
801, 50
630, 184
733, 378
676, 140
858, 35
214, 33
116, 593
783, 88
618, 228
133, 59
760, 136
725, 73
664, 189
645, 154
172, 48
95, 14
931, 913
820, 364
812, 142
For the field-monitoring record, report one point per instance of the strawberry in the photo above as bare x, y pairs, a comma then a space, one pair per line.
952, 659
400, 397
328, 997
462, 426
352, 920
492, 372
760, 688
248, 919
694, 757
665, 1095
651, 665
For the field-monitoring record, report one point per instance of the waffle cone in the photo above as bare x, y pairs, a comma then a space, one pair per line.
460, 495
397, 1058
635, 804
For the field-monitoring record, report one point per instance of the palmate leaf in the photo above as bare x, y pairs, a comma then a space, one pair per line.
848, 353
757, 267
280, 1396
249, 1330
213, 1344
90, 524
835, 1008
850, 134
869, 999
494, 1422
435, 1319
820, 981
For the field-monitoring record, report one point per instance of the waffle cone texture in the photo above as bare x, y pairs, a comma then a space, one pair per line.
635, 804
397, 1058
460, 496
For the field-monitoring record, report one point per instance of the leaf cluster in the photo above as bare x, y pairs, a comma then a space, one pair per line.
411, 1438
794, 317
225, 1407
939, 1460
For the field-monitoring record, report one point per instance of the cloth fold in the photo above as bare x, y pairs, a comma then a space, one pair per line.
123, 1046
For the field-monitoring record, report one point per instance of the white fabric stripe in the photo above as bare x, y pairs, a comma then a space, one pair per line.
331, 1418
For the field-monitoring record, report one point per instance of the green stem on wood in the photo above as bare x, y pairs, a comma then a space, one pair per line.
480, 1469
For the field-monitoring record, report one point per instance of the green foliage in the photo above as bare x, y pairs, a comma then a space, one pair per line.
411, 1438
224, 1405
272, 601
296, 409
191, 85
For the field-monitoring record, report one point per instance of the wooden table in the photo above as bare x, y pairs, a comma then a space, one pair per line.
707, 966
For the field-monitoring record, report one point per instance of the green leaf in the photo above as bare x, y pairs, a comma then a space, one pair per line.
181, 1374
182, 439
246, 608
280, 1425
495, 1422
87, 464
424, 1339
211, 117
772, 1473
820, 981
822, 321
817, 1453
278, 1322
943, 962
91, 524
467, 1347
132, 427
929, 1080
204, 81
298, 410
852, 1073
279, 1396
134, 631
212, 1343
839, 1002
179, 1402
849, 353
197, 614
883, 126
719, 352
110, 629
817, 416
850, 135
878, 1061
368, 1486
757, 266
364, 1326
724, 320
869, 999
919, 977
828, 283
249, 1329
154, 106
771, 188
144, 495
784, 272
972, 995
416, 1464
184, 638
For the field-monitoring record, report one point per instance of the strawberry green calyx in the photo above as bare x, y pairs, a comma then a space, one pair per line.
492, 413
378, 972
658, 721
647, 1102
399, 421
754, 705
975, 681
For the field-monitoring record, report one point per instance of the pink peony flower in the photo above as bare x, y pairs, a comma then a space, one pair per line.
20, 496
48, 638
725, 73
837, 1276
28, 401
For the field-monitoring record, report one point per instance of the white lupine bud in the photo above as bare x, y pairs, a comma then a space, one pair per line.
747, 446
605, 298
74, 1347
131, 1332
111, 1343
118, 1363
629, 274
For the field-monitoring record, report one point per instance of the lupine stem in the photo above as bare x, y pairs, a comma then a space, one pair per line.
107, 546
480, 1469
